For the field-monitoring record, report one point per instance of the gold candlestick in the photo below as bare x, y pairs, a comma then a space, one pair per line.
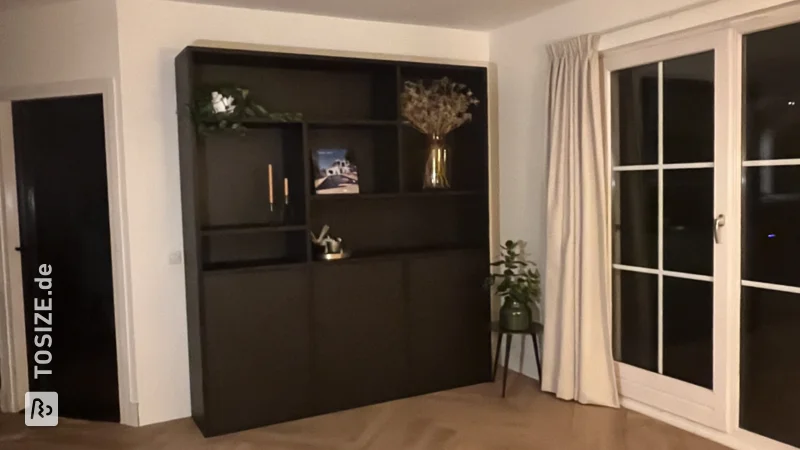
271, 201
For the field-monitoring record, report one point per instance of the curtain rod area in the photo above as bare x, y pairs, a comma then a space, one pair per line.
703, 14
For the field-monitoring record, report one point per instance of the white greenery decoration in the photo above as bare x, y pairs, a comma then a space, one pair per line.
438, 108
228, 108
222, 104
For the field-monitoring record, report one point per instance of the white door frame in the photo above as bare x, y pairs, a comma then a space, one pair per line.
708, 407
13, 352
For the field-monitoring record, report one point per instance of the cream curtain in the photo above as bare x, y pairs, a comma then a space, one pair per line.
578, 364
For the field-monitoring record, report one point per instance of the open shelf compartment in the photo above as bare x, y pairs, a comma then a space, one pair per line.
320, 88
234, 178
372, 150
467, 145
237, 251
405, 223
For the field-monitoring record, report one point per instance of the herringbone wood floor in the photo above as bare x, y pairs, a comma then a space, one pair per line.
469, 418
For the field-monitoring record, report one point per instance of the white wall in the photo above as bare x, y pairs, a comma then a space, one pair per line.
56, 48
519, 51
58, 42
151, 33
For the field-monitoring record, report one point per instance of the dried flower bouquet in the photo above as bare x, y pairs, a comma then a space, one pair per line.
438, 108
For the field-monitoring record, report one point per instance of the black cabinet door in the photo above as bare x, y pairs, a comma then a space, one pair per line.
359, 334
257, 356
449, 321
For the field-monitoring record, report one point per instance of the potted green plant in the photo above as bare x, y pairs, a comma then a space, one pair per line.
517, 281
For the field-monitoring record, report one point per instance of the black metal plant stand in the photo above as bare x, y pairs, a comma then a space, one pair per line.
534, 330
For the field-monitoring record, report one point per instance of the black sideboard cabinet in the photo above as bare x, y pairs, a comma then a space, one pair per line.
275, 335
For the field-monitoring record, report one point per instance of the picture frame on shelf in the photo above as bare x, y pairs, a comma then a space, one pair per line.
334, 172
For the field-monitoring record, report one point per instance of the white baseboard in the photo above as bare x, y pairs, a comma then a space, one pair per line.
737, 440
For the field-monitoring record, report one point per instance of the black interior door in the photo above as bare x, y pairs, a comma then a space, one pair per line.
64, 232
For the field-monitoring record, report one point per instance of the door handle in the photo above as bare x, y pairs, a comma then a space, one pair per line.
719, 222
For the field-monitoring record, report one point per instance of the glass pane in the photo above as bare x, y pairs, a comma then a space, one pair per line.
771, 221
689, 221
772, 93
635, 120
688, 330
689, 109
770, 367
636, 218
636, 311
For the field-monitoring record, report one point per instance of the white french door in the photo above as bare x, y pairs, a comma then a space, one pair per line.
671, 135
704, 157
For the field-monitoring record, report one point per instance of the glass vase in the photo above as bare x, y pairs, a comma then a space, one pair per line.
515, 316
436, 168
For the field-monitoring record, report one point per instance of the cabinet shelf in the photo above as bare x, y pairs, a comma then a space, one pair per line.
250, 228
442, 193
396, 195
263, 122
331, 197
393, 254
352, 123
239, 266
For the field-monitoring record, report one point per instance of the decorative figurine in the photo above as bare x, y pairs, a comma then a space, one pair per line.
221, 104
331, 248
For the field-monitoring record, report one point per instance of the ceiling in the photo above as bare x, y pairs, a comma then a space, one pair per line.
466, 14
9, 4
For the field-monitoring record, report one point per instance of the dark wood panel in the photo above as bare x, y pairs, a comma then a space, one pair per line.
360, 334
449, 317
191, 232
257, 348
